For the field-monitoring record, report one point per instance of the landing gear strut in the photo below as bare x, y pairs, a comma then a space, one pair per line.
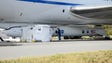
1, 39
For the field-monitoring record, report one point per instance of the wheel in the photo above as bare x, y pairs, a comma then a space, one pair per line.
77, 37
66, 37
107, 38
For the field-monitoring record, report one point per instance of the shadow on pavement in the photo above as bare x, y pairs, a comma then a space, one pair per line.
9, 44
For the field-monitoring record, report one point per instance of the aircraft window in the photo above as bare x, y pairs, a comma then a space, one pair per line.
39, 29
63, 10
83, 31
31, 28
87, 31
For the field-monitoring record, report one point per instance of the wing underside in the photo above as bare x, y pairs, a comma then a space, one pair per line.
101, 12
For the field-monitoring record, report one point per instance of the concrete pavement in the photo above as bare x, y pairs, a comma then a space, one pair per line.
51, 48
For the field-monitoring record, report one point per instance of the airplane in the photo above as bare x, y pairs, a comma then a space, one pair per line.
56, 11
14, 13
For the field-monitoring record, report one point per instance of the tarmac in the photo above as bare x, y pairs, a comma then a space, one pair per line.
11, 50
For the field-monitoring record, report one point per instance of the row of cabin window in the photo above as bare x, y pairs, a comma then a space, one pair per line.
84, 31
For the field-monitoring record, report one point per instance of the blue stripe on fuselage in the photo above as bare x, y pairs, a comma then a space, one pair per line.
51, 2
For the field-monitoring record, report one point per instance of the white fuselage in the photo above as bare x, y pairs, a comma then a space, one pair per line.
17, 11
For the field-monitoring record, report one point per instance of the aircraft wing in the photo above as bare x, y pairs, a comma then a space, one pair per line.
96, 12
